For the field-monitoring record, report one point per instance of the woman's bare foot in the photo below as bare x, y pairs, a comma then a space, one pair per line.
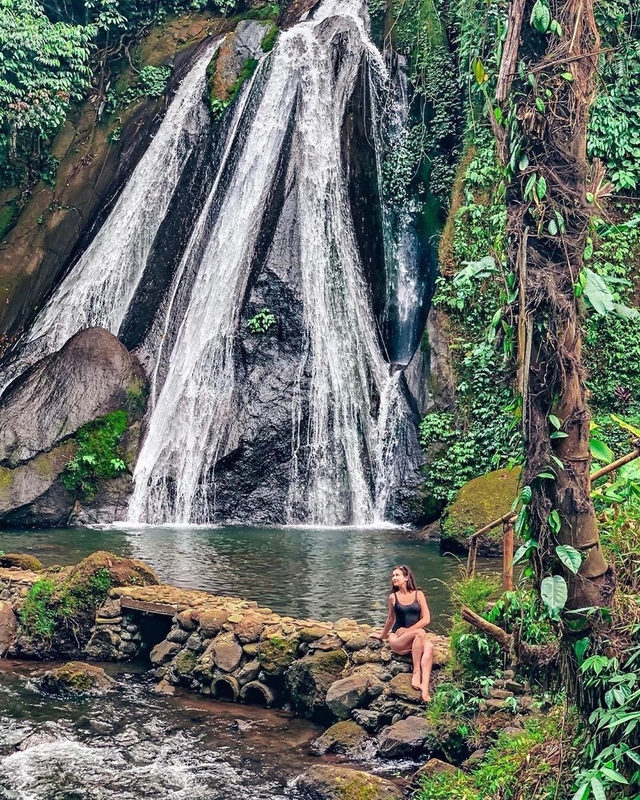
416, 681
425, 694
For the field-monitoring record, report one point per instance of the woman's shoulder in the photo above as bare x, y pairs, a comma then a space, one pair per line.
392, 597
421, 595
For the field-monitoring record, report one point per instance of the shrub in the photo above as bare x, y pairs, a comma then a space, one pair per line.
98, 455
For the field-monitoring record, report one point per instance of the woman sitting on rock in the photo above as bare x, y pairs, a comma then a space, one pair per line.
408, 615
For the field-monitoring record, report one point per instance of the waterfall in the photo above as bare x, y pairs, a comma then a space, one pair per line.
307, 81
98, 289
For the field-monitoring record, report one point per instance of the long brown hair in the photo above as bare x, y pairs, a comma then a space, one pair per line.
411, 581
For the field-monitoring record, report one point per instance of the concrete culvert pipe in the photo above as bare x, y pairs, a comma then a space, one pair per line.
258, 694
225, 687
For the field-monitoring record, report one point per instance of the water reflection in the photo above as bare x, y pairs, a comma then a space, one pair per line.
322, 573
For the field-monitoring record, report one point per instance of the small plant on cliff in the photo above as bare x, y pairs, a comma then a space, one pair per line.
98, 455
262, 322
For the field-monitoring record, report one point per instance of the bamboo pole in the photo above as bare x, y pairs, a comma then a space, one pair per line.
507, 556
509, 518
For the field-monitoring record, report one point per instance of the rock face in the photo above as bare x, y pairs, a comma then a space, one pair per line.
40, 413
76, 677
243, 44
478, 502
325, 782
309, 679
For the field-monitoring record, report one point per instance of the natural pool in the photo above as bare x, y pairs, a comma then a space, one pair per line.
321, 573
133, 744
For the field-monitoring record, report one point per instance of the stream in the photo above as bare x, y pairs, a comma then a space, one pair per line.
133, 743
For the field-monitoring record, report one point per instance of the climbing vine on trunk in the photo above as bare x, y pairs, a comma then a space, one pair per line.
544, 90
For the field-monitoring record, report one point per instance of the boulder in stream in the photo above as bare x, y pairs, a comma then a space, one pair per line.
76, 677
325, 782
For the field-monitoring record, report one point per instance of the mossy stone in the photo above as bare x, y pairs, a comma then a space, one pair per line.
477, 503
185, 662
277, 654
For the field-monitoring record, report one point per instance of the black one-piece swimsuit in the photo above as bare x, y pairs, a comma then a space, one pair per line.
407, 615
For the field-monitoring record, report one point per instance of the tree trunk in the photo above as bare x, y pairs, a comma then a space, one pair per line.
547, 230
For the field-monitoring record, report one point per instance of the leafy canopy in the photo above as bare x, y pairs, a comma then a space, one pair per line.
44, 66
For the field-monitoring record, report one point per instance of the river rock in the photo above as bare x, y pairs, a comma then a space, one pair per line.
8, 626
324, 782
400, 686
309, 679
404, 738
21, 561
249, 628
346, 694
277, 653
343, 737
434, 766
77, 678
211, 622
227, 653
163, 652
248, 672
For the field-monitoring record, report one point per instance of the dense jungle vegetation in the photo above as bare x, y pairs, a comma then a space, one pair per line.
582, 664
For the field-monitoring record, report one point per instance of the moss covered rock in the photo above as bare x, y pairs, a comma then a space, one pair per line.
58, 612
343, 737
21, 561
277, 653
76, 678
479, 502
324, 782
309, 679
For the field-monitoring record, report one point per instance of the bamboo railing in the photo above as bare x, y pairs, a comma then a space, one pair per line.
508, 521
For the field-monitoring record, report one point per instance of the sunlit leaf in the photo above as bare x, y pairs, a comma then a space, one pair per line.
570, 557
553, 592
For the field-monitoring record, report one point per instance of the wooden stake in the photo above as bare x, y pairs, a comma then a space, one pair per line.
507, 556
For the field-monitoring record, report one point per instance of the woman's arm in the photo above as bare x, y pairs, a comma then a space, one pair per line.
425, 616
391, 618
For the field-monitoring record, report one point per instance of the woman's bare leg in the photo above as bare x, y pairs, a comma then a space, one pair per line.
411, 642
426, 663
416, 655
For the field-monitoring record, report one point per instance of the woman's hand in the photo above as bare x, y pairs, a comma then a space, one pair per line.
375, 636
400, 631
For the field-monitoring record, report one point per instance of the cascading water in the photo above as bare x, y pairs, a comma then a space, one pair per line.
305, 92
98, 289
279, 167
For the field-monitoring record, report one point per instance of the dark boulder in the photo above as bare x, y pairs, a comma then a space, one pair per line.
40, 414
90, 376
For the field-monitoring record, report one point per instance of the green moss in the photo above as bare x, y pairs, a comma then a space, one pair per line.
185, 662
481, 501
357, 788
50, 603
98, 456
276, 654
270, 39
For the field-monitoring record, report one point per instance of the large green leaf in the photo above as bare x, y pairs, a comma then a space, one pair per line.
475, 270
597, 293
569, 556
600, 451
553, 591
